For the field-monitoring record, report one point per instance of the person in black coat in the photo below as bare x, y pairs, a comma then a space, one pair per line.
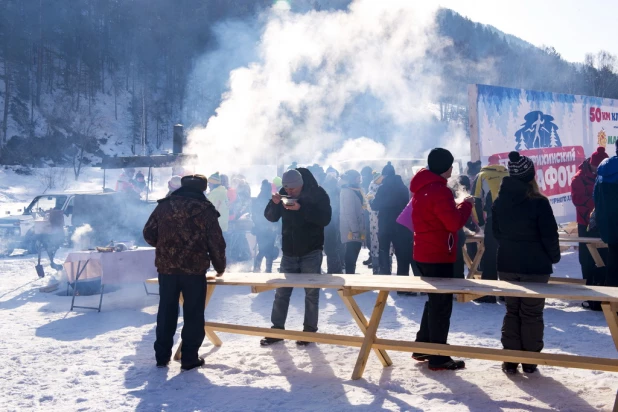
332, 238
525, 228
265, 232
392, 197
304, 208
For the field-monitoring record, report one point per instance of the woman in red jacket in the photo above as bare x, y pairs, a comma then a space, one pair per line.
582, 189
437, 219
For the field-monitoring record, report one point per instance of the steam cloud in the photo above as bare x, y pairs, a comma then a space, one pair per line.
325, 86
81, 237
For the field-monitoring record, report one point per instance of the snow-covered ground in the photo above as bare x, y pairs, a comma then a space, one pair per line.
56, 360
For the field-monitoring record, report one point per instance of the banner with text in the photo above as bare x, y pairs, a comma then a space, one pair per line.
557, 131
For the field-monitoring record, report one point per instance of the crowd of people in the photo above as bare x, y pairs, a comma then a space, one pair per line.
321, 213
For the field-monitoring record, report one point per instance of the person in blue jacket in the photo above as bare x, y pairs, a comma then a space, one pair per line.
606, 204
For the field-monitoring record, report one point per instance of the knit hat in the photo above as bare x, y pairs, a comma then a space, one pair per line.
598, 156
439, 160
292, 179
174, 183
215, 179
198, 182
521, 167
277, 181
388, 170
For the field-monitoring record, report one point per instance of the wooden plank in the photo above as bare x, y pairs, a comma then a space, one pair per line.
260, 289
598, 260
427, 285
543, 358
361, 321
153, 281
466, 297
568, 281
317, 337
212, 336
352, 292
609, 310
370, 335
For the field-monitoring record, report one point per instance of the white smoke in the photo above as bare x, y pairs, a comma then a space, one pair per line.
325, 86
81, 237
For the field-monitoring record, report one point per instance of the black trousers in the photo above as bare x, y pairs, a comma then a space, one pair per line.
612, 265
352, 250
193, 288
436, 320
401, 239
332, 249
523, 324
266, 249
489, 262
590, 272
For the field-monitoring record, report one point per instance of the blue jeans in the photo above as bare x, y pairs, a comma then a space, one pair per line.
310, 263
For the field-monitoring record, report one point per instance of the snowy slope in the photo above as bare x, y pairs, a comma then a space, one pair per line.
55, 360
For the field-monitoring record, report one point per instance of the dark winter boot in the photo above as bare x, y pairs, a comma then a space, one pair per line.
197, 364
449, 365
163, 364
509, 368
302, 343
528, 368
420, 357
270, 341
486, 299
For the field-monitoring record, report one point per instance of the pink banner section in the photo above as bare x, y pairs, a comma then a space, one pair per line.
130, 266
555, 166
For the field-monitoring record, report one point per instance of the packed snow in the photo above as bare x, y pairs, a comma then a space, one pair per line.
57, 360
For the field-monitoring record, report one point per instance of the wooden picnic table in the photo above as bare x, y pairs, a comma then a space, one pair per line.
593, 244
348, 286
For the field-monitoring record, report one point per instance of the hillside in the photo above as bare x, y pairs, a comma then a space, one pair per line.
80, 79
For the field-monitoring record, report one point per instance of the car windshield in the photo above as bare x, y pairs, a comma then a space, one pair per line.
42, 204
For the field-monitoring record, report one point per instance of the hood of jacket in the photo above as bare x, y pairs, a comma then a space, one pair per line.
423, 178
495, 169
585, 171
513, 190
608, 170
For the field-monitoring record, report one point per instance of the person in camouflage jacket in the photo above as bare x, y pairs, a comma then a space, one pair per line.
185, 231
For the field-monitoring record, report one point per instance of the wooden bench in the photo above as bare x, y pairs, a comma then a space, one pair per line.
348, 286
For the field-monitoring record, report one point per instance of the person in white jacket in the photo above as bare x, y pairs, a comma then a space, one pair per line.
352, 220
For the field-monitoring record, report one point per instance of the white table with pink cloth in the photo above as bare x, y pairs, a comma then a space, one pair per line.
129, 266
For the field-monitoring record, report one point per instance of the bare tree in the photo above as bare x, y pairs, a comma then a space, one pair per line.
85, 134
53, 178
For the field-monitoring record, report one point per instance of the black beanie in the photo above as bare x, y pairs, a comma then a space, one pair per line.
521, 167
388, 170
439, 160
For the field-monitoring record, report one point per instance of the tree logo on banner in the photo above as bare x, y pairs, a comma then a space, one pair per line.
539, 131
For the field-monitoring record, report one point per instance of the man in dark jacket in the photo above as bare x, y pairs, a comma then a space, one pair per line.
185, 230
606, 201
305, 210
392, 197
582, 188
437, 219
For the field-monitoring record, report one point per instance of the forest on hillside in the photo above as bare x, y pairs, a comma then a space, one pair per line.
79, 78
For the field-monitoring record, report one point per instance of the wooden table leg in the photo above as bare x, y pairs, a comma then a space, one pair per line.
362, 323
212, 336
370, 335
477, 260
609, 310
594, 252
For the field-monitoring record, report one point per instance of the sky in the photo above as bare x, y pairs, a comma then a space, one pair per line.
572, 27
